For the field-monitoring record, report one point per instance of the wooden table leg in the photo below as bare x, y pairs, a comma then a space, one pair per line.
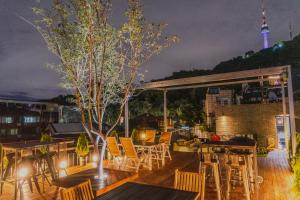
163, 154
256, 189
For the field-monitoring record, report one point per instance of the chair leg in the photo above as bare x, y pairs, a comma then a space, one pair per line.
251, 173
203, 186
217, 179
169, 154
120, 162
138, 163
124, 162
228, 182
246, 182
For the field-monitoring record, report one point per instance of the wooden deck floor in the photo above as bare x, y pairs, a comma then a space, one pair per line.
275, 170
277, 185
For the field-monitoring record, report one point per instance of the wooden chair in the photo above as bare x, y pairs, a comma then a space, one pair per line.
83, 191
165, 138
191, 182
113, 148
150, 135
130, 153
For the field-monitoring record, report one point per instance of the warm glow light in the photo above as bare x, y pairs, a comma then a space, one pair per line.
143, 136
274, 77
95, 158
23, 172
62, 173
63, 164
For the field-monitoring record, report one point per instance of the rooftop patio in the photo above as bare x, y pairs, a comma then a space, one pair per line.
226, 168
275, 170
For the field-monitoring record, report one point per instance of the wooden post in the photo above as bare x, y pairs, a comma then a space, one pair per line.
292, 111
256, 187
16, 174
126, 119
285, 128
165, 111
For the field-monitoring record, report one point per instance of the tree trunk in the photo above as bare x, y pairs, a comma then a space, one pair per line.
101, 155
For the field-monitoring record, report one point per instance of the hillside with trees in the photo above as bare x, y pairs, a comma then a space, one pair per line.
182, 102
281, 53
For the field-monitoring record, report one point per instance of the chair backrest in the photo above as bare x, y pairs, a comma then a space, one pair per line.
165, 137
150, 135
112, 146
128, 147
82, 191
190, 181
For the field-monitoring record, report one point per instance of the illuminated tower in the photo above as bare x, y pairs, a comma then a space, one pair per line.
264, 27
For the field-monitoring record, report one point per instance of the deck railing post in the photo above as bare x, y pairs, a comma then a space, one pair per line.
126, 119
165, 112
285, 128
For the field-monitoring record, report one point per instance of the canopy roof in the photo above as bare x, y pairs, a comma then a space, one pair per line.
229, 78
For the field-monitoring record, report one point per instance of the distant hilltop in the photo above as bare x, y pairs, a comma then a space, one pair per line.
17, 97
281, 53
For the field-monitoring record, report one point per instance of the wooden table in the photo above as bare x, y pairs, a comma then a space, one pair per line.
136, 191
251, 146
149, 148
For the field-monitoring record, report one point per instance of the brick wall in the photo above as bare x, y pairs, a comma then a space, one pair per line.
251, 119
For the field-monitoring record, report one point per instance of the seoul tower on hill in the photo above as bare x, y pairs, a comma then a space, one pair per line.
264, 27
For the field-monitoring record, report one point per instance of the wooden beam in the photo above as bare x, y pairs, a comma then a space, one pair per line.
285, 128
165, 112
216, 84
292, 111
216, 77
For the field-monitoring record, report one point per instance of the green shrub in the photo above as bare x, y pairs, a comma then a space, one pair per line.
115, 134
134, 135
45, 138
82, 146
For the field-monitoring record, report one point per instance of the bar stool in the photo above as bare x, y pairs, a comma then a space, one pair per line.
212, 160
237, 163
247, 156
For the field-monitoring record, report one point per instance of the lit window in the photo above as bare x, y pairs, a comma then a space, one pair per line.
14, 131
6, 120
31, 119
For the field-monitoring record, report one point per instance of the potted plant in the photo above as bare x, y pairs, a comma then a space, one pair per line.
45, 138
82, 148
47, 155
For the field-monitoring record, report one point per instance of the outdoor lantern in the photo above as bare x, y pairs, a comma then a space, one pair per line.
63, 164
95, 158
143, 136
23, 172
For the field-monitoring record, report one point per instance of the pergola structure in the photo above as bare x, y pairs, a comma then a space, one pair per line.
232, 78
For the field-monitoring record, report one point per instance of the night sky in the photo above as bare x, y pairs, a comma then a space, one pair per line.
210, 31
